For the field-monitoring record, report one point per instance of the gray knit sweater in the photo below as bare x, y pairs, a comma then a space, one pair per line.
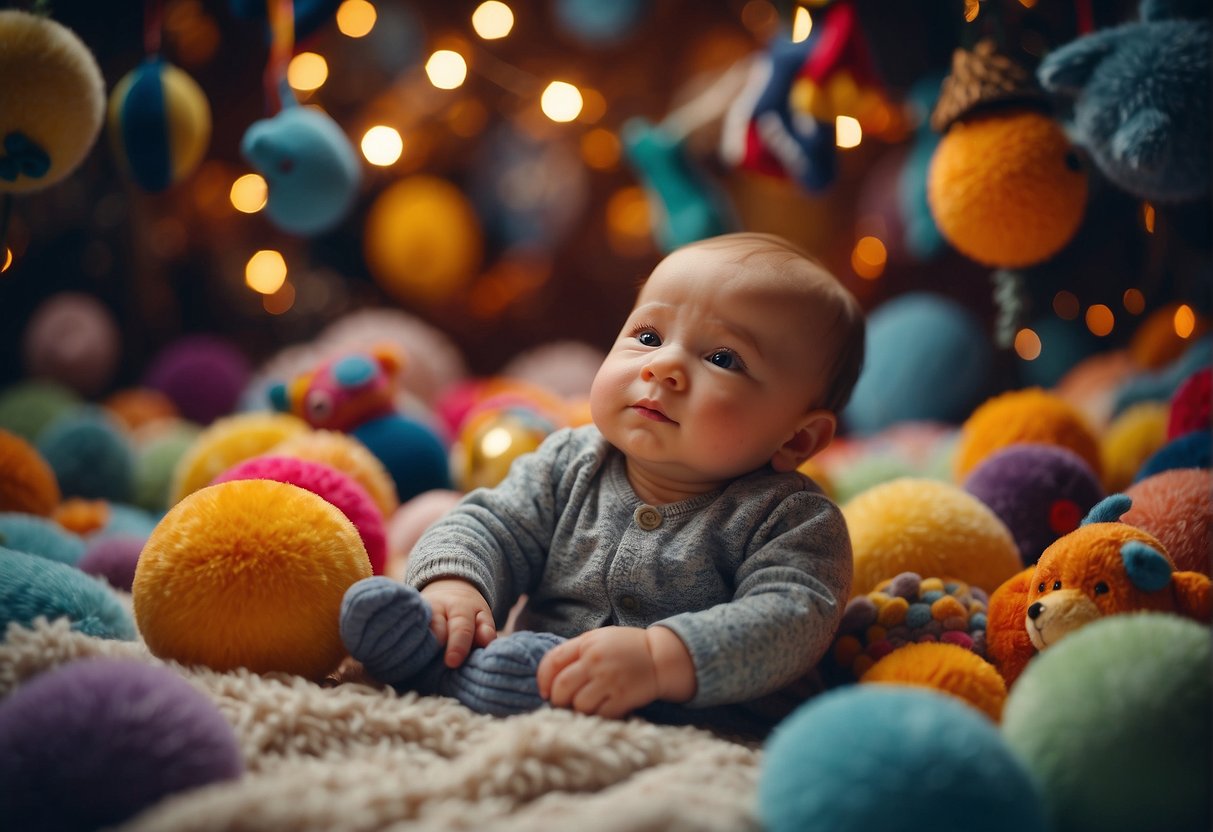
753, 577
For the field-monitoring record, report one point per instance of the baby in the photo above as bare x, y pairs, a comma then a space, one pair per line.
670, 552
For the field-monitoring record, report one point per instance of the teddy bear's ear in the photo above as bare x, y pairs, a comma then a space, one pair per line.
1066, 69
1109, 509
1148, 569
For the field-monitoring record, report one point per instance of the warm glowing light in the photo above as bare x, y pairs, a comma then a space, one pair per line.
1027, 345
496, 442
593, 105
356, 18
561, 101
869, 257
281, 301
600, 149
382, 145
1066, 305
1134, 301
972, 9
249, 193
759, 16
1147, 217
802, 24
847, 132
307, 71
492, 20
265, 272
1100, 319
1185, 321
1027, 4
447, 70
8, 259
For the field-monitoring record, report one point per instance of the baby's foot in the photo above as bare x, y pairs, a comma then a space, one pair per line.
386, 626
500, 679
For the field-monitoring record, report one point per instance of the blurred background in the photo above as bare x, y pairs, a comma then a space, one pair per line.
509, 214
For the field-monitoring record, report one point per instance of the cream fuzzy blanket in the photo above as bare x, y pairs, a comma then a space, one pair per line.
353, 757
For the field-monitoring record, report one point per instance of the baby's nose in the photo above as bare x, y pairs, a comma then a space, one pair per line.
664, 369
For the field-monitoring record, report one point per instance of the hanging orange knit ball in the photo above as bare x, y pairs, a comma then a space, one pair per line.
1006, 188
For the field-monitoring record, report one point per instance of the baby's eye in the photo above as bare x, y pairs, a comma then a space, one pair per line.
725, 359
649, 338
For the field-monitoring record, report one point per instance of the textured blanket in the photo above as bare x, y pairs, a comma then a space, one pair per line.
354, 757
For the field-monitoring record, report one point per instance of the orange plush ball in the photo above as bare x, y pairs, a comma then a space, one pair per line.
27, 483
1005, 188
1022, 416
249, 573
946, 668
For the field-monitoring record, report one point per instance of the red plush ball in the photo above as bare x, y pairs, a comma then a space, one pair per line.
1176, 506
1191, 404
329, 483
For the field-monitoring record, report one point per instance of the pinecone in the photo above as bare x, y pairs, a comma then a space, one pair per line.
980, 79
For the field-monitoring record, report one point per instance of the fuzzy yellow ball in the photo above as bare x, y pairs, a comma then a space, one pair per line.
249, 573
929, 527
1006, 188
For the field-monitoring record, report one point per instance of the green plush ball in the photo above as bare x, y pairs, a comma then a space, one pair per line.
1115, 722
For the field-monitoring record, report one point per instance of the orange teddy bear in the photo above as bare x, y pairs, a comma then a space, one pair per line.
1104, 567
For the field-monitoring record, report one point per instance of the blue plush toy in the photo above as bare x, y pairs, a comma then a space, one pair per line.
32, 586
1141, 100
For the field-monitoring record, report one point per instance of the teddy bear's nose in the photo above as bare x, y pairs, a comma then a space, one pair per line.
1035, 610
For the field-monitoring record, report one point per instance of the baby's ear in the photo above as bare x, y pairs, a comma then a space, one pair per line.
814, 435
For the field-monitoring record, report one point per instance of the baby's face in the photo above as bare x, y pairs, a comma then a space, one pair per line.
714, 370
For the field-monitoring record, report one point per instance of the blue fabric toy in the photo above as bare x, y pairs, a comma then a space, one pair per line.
32, 586
386, 626
1141, 101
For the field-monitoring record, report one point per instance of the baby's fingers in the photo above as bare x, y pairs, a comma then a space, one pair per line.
461, 628
554, 661
486, 630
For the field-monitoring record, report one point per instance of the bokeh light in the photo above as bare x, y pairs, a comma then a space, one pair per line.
492, 20
561, 101
447, 70
802, 25
847, 132
1027, 344
307, 71
265, 271
280, 302
1147, 217
1134, 301
1185, 321
382, 145
600, 149
869, 257
1100, 319
629, 228
249, 193
6, 260
1065, 304
356, 18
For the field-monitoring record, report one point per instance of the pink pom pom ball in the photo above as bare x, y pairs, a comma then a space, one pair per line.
1191, 404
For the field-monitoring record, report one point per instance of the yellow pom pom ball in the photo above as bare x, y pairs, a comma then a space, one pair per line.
159, 124
929, 527
249, 573
27, 483
1006, 189
227, 441
947, 668
1128, 442
1028, 415
52, 99
350, 457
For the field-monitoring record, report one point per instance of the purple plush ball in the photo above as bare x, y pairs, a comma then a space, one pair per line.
1040, 492
91, 743
113, 557
203, 375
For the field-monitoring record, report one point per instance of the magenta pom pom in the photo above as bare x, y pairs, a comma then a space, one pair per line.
91, 743
203, 375
113, 557
329, 483
1191, 404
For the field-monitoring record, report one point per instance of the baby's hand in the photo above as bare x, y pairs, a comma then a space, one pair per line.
612, 671
462, 618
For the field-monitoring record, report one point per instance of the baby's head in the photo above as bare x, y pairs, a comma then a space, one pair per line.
739, 352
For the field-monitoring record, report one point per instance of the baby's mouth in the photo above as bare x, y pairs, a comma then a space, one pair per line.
650, 410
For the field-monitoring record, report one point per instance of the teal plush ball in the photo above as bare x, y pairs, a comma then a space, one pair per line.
159, 124
889, 758
31, 586
91, 457
1115, 723
40, 536
927, 358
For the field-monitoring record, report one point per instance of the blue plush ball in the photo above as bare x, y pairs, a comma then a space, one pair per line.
888, 758
90, 456
31, 586
411, 452
39, 536
1040, 492
89, 744
1192, 450
1114, 721
927, 359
